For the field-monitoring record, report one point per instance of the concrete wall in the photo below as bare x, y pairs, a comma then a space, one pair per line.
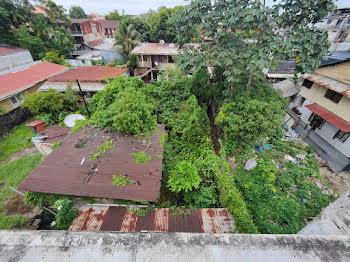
316, 95
22, 245
13, 118
15, 59
333, 220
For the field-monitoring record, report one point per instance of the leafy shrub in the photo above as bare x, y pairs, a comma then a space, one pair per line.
54, 57
66, 214
141, 157
101, 150
184, 177
50, 102
131, 113
200, 86
204, 197
41, 199
47, 118
121, 180
247, 120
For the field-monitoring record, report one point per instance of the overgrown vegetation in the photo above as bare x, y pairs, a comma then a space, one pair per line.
101, 150
65, 215
122, 180
141, 157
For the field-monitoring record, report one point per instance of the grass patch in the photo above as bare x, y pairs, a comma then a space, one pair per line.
14, 141
12, 174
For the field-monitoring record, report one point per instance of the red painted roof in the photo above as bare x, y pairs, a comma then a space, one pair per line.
335, 120
6, 49
20, 80
89, 73
35, 123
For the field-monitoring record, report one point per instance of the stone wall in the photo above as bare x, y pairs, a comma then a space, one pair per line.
13, 118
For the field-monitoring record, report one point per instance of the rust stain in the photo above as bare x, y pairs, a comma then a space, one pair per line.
207, 220
129, 222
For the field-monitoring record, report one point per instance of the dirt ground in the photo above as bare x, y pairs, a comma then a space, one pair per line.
24, 152
340, 182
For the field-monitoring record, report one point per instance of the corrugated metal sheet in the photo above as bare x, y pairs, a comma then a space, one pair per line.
68, 170
330, 117
118, 218
334, 85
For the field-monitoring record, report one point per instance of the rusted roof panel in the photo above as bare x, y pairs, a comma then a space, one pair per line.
118, 218
68, 170
55, 133
329, 83
330, 117
155, 49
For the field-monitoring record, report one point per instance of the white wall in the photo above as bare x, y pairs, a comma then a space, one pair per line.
327, 131
15, 59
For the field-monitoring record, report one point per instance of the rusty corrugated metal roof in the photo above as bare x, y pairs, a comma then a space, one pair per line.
118, 218
155, 49
68, 170
329, 83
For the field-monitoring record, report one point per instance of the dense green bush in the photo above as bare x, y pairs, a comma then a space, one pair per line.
2, 110
65, 215
184, 177
131, 113
51, 102
249, 119
41, 199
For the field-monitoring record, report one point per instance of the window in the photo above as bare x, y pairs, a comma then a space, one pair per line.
307, 83
145, 58
301, 101
329, 21
170, 59
339, 21
342, 136
316, 121
334, 96
16, 100
349, 22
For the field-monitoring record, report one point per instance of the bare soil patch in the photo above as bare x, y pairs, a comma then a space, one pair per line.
24, 152
340, 182
16, 206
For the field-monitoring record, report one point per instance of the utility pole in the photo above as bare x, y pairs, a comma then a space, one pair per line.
82, 96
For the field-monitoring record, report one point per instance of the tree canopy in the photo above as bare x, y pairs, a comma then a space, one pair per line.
35, 31
77, 12
248, 37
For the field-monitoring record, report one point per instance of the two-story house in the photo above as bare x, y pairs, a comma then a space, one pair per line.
337, 25
321, 113
152, 58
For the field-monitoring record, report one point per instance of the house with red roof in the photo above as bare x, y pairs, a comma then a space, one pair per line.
19, 74
321, 113
91, 78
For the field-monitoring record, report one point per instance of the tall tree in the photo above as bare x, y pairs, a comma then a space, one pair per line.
248, 37
13, 13
141, 25
113, 15
126, 37
77, 12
